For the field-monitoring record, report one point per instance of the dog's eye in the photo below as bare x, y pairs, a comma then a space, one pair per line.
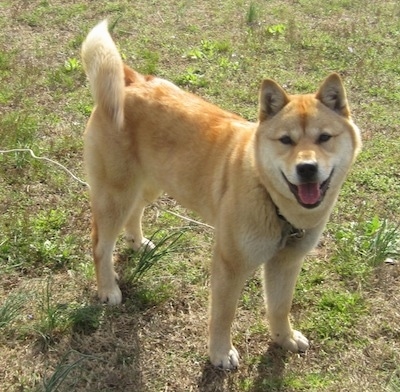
324, 137
286, 140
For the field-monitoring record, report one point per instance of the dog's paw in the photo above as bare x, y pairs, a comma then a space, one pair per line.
111, 296
225, 360
295, 342
144, 245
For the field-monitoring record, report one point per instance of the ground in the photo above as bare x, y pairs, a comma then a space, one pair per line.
55, 335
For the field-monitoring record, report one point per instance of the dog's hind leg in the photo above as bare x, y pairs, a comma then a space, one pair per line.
280, 275
133, 227
110, 210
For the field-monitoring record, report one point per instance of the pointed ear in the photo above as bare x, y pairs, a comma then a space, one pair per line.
272, 99
333, 95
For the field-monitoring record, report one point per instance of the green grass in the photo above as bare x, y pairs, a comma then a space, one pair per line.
10, 309
56, 336
394, 382
164, 246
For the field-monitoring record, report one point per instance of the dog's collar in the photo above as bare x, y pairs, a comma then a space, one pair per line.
289, 231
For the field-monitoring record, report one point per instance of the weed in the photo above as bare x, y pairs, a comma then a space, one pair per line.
85, 318
385, 240
208, 49
86, 270
63, 369
195, 54
192, 78
166, 245
72, 65
226, 63
252, 14
11, 308
5, 62
18, 129
394, 382
337, 314
276, 30
51, 317
47, 244
360, 246
151, 61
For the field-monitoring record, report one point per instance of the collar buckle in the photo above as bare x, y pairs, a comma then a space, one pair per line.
289, 232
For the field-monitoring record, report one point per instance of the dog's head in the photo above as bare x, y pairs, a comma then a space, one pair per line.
305, 144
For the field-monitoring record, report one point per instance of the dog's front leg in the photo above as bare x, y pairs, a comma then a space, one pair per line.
280, 275
227, 281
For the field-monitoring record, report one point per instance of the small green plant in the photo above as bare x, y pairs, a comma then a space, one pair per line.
360, 246
11, 308
227, 64
72, 64
275, 30
208, 49
211, 47
195, 54
337, 314
252, 14
85, 318
5, 61
46, 242
384, 240
51, 317
63, 369
166, 245
394, 382
151, 59
18, 130
192, 77
46, 222
67, 76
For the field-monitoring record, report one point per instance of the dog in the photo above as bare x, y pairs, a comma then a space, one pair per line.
268, 187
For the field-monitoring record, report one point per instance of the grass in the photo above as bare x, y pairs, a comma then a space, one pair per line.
10, 309
164, 245
55, 336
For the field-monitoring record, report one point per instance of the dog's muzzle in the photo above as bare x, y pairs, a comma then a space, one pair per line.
309, 193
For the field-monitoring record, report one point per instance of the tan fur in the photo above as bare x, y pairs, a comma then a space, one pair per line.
146, 136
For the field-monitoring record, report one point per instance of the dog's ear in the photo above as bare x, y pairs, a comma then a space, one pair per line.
272, 99
333, 95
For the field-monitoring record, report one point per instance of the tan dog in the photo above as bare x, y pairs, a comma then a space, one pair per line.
267, 187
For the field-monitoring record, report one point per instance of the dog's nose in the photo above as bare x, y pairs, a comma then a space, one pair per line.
307, 172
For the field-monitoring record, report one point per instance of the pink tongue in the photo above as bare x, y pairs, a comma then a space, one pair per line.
309, 193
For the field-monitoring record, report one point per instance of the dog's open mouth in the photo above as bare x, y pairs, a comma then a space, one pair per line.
309, 195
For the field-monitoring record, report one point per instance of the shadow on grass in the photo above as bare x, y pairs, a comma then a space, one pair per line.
103, 352
115, 353
213, 379
270, 370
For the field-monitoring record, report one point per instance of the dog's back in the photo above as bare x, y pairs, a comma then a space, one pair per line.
168, 133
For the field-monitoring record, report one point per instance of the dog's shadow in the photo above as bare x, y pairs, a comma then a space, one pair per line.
213, 379
270, 371
269, 374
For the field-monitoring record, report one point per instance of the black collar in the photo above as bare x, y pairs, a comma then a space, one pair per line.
288, 230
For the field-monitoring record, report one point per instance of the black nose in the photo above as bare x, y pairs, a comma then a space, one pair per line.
307, 172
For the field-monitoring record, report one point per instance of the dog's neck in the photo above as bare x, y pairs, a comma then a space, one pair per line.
289, 232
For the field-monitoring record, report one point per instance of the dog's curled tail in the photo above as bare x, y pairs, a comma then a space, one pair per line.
104, 68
